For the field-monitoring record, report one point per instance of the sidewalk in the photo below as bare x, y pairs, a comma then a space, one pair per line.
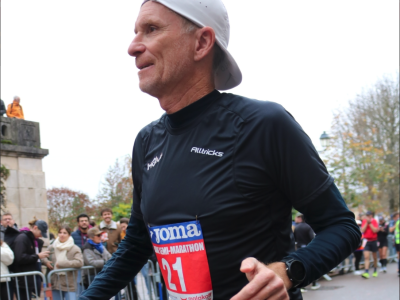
350, 286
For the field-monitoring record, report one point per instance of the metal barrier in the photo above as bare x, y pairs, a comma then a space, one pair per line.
145, 285
25, 292
75, 287
391, 256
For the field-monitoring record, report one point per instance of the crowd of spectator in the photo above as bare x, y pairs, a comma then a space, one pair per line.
89, 245
93, 245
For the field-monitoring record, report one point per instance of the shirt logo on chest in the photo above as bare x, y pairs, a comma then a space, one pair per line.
154, 162
207, 152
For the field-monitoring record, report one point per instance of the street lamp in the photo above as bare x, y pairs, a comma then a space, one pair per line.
324, 138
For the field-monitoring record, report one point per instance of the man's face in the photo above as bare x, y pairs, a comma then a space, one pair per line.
124, 226
164, 53
298, 219
83, 223
16, 100
369, 218
107, 216
7, 220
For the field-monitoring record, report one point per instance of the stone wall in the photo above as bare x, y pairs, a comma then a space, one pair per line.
22, 155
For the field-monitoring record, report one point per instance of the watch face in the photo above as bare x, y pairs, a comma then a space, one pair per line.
297, 270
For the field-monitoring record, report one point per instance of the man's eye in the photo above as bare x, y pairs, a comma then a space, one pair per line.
152, 29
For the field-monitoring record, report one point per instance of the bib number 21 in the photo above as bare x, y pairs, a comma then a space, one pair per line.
182, 258
177, 266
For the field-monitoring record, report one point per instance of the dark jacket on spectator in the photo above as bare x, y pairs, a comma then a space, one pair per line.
79, 240
8, 234
25, 257
2, 108
303, 235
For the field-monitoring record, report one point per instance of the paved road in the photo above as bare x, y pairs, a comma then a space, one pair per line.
352, 287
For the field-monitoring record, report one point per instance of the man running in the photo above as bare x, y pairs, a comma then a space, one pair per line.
216, 177
370, 228
383, 242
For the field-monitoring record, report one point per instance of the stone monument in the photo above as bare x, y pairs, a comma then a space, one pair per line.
22, 156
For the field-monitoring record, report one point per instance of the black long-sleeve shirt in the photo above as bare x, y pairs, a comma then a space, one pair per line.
238, 166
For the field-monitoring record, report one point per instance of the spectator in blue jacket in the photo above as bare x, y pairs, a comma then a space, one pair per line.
80, 235
80, 238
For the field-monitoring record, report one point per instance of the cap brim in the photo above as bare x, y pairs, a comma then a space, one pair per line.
44, 234
228, 74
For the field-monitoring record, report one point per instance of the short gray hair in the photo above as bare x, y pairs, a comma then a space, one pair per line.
6, 214
15, 97
189, 27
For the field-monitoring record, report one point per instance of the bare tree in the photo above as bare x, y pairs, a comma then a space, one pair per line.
65, 205
117, 186
364, 153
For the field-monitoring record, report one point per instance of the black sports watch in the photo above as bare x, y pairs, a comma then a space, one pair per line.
295, 271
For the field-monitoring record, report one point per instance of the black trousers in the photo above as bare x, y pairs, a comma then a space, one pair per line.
3, 291
25, 294
357, 256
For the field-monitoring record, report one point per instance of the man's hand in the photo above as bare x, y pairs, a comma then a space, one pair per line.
266, 282
44, 254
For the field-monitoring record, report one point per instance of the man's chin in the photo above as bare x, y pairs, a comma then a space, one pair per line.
149, 87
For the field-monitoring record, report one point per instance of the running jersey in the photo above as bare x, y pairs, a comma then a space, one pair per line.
382, 235
238, 166
369, 234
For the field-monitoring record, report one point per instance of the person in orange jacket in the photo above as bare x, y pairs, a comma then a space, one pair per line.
14, 110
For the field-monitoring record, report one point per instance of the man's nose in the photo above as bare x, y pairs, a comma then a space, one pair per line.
136, 47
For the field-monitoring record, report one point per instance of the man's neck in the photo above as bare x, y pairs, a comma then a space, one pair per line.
185, 94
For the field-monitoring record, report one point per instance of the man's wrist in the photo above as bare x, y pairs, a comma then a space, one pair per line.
280, 269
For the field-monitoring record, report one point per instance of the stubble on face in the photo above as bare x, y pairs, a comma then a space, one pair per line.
83, 224
171, 73
7, 221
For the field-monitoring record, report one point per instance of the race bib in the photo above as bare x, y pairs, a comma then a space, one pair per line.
182, 257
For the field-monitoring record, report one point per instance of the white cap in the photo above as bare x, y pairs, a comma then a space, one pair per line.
211, 13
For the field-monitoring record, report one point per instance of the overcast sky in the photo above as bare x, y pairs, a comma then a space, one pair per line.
68, 62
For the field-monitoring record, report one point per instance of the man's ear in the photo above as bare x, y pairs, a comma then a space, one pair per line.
205, 39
